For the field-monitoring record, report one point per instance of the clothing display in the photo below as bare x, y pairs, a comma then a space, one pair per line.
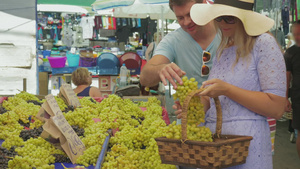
285, 16
67, 35
87, 24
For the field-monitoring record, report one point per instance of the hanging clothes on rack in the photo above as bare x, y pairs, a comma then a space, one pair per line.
115, 23
67, 35
285, 16
40, 33
87, 24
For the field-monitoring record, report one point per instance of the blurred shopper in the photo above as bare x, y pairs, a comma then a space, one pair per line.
291, 41
292, 59
150, 50
82, 78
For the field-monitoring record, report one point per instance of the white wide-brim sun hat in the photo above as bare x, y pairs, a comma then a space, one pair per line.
254, 23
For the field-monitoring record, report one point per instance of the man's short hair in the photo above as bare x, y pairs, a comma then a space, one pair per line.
182, 2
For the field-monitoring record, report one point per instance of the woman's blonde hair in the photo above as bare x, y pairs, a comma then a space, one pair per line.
241, 40
80, 76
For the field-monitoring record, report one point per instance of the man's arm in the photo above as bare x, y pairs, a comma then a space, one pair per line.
159, 69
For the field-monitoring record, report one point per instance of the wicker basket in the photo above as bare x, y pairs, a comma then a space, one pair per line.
224, 151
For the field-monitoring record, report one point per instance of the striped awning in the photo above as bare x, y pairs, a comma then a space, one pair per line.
107, 4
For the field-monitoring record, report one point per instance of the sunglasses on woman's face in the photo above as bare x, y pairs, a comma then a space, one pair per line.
206, 57
227, 19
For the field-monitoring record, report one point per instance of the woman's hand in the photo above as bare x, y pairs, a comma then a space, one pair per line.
178, 109
288, 106
214, 88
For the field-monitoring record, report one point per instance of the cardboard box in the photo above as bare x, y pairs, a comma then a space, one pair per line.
43, 83
107, 83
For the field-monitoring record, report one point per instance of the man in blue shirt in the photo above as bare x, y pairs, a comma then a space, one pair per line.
181, 52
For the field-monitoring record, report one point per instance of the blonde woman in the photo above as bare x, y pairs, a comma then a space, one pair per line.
248, 75
82, 78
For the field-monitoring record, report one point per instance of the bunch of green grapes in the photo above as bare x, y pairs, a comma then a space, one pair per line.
8, 118
12, 102
151, 101
193, 132
94, 139
131, 108
62, 105
131, 137
12, 140
196, 113
122, 157
9, 125
26, 96
81, 117
90, 155
36, 152
88, 102
99, 127
28, 163
25, 110
150, 157
36, 124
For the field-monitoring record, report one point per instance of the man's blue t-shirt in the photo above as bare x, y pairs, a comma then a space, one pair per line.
179, 47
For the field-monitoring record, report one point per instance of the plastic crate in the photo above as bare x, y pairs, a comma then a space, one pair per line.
108, 64
88, 62
64, 70
43, 68
132, 62
57, 62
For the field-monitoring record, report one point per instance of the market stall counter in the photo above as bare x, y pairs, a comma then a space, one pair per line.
135, 126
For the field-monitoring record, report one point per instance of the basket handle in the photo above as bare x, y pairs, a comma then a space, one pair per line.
185, 110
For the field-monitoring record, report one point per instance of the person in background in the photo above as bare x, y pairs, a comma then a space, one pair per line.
137, 38
279, 35
291, 41
150, 50
82, 78
181, 52
292, 60
248, 75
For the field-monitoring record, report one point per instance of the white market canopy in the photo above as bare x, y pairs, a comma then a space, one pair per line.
61, 8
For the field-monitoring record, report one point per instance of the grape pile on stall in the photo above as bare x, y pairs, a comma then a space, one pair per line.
132, 146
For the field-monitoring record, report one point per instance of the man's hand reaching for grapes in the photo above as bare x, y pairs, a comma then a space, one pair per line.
178, 109
170, 72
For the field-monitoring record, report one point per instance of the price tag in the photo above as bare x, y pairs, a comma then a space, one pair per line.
57, 130
74, 144
70, 95
51, 102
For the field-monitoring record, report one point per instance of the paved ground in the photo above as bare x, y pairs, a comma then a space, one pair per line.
285, 156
